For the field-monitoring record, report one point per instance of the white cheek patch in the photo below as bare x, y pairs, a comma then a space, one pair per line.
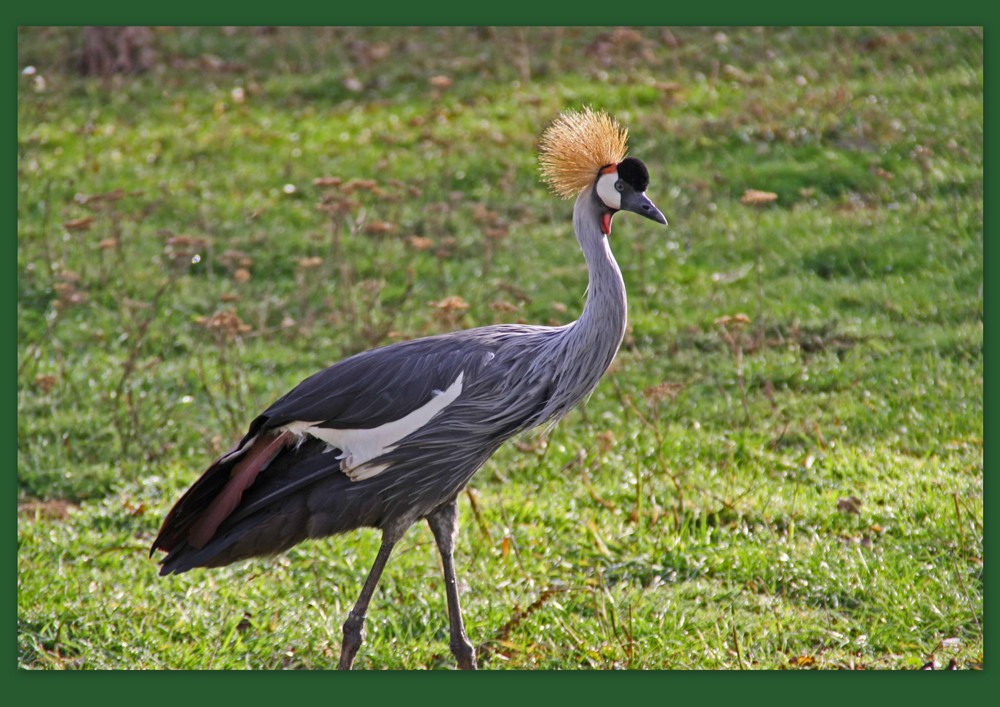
611, 197
360, 446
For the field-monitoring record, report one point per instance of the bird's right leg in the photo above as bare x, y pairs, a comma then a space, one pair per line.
444, 525
354, 626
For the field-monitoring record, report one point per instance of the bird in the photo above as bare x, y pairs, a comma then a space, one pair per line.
390, 436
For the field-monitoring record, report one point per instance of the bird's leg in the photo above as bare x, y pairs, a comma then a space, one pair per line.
444, 525
354, 626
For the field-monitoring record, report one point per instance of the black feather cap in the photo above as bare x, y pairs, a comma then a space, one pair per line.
634, 173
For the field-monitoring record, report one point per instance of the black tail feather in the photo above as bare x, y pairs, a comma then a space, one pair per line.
274, 513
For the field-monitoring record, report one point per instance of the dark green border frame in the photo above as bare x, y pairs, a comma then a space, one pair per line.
154, 688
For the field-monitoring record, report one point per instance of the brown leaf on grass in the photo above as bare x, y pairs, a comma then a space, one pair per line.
755, 197
309, 263
360, 185
440, 82
224, 324
55, 509
377, 51
662, 391
851, 504
503, 306
733, 321
80, 224
802, 661
605, 441
181, 249
450, 304
69, 296
668, 87
186, 242
114, 195
234, 259
626, 35
739, 75
337, 203
377, 228
132, 508
45, 382
419, 243
449, 310
482, 214
69, 276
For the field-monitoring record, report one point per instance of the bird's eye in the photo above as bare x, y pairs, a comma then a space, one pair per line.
620, 185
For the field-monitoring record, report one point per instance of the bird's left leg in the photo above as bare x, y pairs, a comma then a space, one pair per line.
354, 626
444, 525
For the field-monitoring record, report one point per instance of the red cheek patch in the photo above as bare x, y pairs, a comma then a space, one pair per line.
606, 223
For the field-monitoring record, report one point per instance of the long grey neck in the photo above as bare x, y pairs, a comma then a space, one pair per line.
579, 353
597, 334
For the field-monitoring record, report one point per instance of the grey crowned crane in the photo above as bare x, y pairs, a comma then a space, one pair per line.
390, 436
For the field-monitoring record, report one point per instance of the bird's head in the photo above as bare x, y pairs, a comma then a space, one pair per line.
586, 150
622, 187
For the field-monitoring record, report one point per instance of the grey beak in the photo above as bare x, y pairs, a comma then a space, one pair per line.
639, 203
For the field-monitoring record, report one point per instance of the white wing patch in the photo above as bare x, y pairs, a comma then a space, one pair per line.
360, 446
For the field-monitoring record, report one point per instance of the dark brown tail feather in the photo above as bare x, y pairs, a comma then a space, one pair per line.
200, 511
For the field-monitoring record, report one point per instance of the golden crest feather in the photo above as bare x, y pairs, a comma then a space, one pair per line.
576, 146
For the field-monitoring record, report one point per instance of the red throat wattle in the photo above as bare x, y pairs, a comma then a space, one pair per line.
606, 223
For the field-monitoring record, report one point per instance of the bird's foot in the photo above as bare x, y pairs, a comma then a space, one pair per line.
354, 633
464, 652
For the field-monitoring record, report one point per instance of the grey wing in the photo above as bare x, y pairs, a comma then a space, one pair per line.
378, 386
351, 398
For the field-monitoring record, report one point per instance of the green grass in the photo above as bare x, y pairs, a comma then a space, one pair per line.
802, 490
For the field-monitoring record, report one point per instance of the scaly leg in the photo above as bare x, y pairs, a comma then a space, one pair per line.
354, 626
444, 525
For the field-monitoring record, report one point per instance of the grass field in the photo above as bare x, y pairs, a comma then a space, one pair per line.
797, 487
